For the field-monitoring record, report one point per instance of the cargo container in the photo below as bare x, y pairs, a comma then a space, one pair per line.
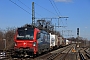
54, 41
60, 41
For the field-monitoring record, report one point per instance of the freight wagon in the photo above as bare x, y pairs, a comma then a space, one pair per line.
60, 41
67, 42
53, 41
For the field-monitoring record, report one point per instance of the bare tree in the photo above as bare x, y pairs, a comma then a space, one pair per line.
1, 40
9, 36
1, 35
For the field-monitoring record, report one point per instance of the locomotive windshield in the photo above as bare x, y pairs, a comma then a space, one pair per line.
25, 34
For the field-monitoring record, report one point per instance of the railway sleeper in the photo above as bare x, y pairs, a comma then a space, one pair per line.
88, 55
82, 57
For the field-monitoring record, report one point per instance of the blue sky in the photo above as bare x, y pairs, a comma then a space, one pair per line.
78, 12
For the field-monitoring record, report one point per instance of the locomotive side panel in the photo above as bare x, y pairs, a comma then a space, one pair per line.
43, 42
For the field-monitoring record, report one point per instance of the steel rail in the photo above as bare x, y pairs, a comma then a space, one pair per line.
53, 56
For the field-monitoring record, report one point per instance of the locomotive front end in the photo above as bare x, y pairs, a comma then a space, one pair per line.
25, 42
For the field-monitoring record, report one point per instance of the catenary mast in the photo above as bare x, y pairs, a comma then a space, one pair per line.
33, 14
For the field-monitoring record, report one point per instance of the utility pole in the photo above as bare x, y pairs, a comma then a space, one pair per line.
4, 43
33, 14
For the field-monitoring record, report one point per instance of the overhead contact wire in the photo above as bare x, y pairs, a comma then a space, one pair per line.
46, 9
29, 7
54, 7
20, 7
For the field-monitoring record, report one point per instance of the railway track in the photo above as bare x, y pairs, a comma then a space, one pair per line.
57, 54
81, 54
88, 53
84, 54
60, 54
64, 54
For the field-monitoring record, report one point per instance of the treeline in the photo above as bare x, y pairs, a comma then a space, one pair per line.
8, 35
83, 42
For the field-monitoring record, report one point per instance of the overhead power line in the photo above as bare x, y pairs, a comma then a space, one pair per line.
24, 5
20, 7
45, 9
54, 7
57, 11
28, 7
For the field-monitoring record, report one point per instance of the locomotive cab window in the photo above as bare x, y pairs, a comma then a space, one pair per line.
25, 34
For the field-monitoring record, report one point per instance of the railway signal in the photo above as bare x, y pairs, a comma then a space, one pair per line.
77, 32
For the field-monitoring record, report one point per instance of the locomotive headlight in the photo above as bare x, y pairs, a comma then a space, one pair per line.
15, 44
24, 43
34, 44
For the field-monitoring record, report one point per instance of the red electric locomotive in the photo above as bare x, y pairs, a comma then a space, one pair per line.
31, 41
